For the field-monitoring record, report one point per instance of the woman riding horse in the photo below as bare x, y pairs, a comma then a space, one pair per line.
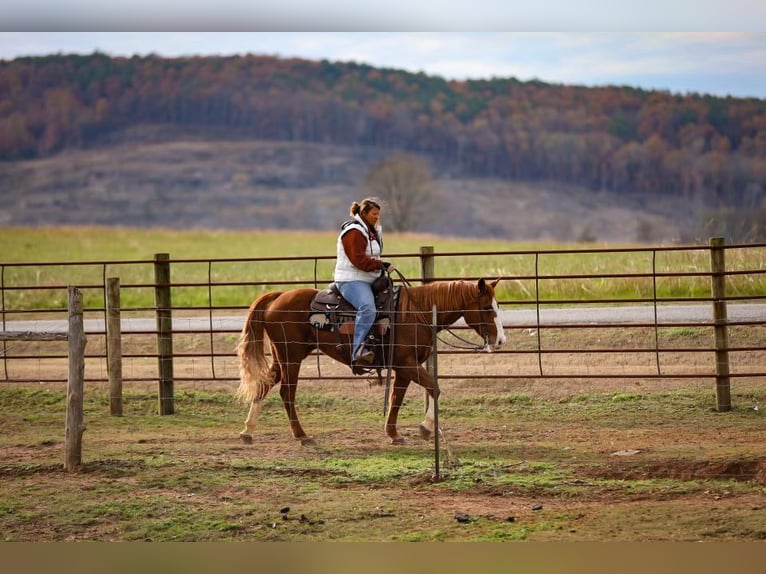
281, 320
358, 264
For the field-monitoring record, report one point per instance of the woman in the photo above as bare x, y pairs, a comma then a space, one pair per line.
358, 264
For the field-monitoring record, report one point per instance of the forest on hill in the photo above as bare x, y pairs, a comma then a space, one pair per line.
620, 140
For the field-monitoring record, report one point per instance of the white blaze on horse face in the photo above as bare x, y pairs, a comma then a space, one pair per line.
500, 341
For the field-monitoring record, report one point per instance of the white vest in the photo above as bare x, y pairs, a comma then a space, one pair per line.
347, 271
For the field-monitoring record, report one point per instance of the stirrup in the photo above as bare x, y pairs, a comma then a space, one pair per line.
358, 369
365, 356
364, 361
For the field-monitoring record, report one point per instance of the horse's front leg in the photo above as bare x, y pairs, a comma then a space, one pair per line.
425, 380
403, 377
401, 382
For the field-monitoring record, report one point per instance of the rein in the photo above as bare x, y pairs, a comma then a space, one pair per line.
471, 346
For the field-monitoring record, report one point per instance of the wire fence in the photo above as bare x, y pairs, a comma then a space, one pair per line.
680, 312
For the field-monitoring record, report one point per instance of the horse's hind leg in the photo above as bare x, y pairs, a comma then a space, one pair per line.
246, 436
287, 392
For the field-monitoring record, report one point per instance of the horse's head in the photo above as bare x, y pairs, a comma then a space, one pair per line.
485, 317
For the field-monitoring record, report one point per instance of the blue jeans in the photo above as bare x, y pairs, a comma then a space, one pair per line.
359, 294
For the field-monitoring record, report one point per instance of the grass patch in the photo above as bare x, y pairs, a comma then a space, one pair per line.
685, 332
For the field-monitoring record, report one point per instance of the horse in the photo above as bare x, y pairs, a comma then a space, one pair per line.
281, 320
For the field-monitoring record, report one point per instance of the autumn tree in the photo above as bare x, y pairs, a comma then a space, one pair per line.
403, 182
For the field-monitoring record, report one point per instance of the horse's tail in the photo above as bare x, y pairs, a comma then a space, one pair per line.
254, 369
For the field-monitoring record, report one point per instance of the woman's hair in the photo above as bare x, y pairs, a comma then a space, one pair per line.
362, 208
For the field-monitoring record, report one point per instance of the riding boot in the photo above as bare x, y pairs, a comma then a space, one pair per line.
365, 357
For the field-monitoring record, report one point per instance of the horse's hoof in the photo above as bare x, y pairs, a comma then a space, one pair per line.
246, 438
397, 440
425, 434
307, 441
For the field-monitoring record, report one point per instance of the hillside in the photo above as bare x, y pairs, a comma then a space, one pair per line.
165, 178
262, 141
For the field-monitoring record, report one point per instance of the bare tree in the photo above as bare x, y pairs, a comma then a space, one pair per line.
404, 184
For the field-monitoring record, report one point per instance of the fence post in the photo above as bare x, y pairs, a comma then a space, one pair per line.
435, 374
75, 382
164, 332
427, 274
720, 319
114, 345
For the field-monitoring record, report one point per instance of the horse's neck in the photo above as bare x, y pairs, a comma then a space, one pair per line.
449, 298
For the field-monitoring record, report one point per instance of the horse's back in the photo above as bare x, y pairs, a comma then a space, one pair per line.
287, 319
294, 300
291, 306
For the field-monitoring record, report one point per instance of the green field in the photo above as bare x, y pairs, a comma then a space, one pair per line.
196, 255
115, 243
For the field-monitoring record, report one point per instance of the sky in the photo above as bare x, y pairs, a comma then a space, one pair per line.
701, 46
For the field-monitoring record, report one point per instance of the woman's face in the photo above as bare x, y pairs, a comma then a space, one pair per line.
372, 216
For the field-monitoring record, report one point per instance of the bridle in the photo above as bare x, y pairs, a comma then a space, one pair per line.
469, 345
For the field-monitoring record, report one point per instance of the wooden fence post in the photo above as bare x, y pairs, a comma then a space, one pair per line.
114, 345
720, 318
75, 383
164, 332
427, 263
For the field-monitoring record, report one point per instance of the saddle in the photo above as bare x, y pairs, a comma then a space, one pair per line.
331, 312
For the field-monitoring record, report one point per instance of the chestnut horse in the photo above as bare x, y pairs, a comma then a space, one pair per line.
282, 319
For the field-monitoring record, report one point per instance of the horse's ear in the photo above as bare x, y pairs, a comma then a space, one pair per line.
482, 286
495, 282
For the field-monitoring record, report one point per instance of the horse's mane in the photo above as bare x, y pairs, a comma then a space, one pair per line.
445, 295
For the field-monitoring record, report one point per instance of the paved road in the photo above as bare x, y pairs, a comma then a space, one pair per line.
511, 318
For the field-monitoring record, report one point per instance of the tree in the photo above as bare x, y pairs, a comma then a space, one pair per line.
404, 184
